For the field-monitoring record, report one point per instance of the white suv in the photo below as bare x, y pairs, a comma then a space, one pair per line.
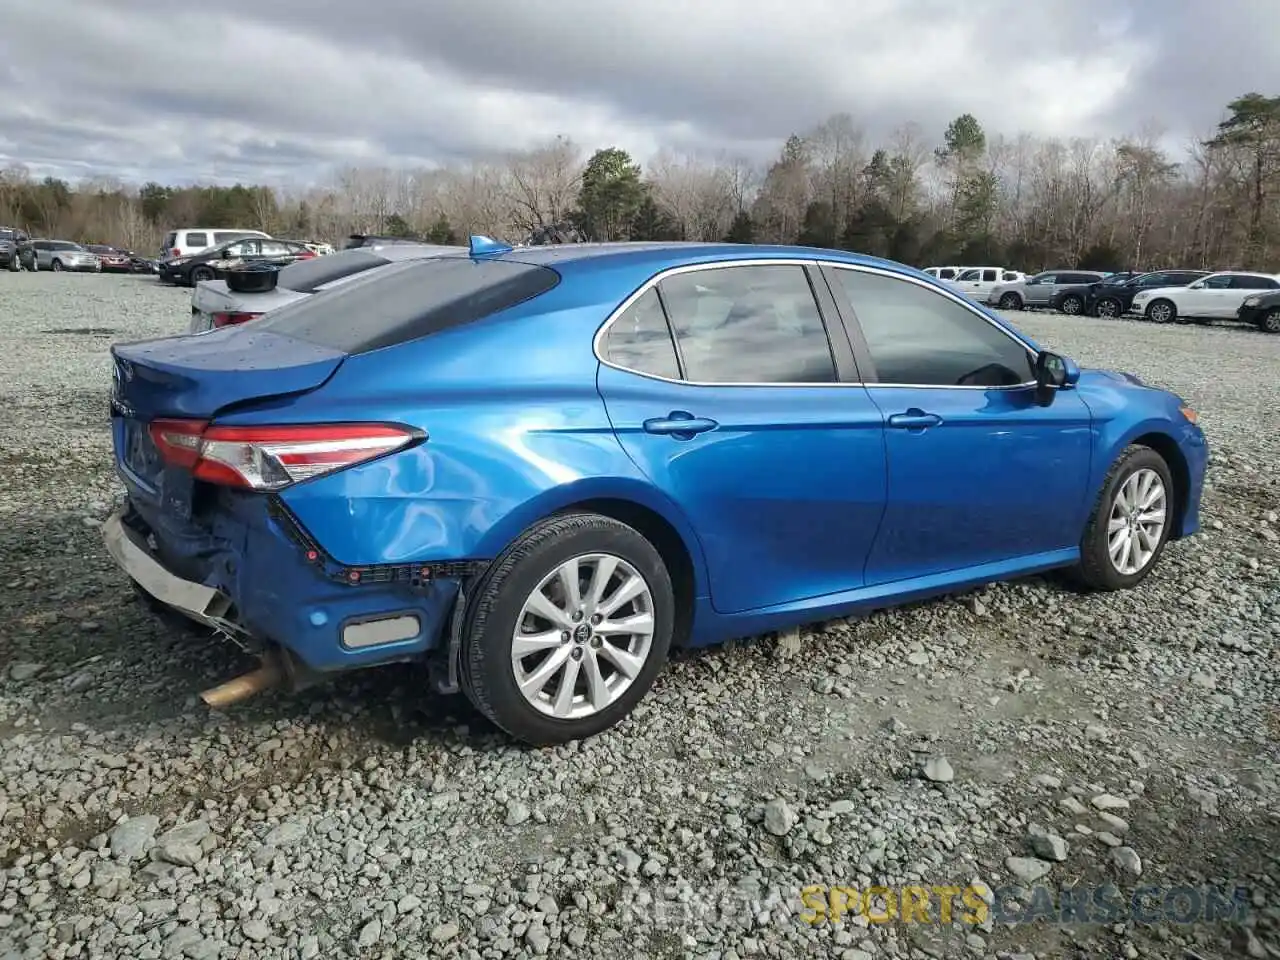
193, 240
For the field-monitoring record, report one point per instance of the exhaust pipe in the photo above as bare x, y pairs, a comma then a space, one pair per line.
270, 674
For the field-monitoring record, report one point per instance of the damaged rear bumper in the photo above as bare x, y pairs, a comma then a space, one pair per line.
201, 603
249, 572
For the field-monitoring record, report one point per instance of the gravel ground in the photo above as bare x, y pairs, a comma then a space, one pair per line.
1014, 732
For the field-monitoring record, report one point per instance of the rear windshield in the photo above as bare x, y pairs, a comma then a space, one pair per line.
408, 301
306, 276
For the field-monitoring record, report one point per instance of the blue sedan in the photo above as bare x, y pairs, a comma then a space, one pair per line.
539, 470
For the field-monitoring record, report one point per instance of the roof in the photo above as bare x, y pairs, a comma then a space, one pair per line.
664, 254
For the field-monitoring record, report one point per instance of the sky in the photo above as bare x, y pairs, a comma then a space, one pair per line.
287, 91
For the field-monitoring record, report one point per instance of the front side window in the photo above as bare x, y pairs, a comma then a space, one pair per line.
748, 324
640, 340
919, 337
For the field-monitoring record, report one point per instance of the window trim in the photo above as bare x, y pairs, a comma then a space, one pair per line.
864, 370
839, 356
867, 363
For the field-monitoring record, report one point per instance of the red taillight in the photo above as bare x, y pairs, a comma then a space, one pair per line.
175, 252
231, 319
268, 458
306, 255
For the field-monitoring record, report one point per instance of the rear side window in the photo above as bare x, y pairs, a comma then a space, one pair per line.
1253, 282
226, 236
640, 339
408, 301
309, 275
989, 276
199, 239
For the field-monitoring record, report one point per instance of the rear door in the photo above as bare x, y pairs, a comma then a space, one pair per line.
736, 394
1245, 285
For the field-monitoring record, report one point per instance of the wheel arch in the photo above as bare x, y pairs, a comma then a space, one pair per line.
1165, 445
631, 502
1159, 439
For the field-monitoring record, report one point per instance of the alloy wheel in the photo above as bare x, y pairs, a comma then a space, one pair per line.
1271, 322
1160, 312
1108, 308
1137, 520
583, 636
1071, 306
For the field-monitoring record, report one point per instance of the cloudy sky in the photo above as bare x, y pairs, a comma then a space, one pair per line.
287, 90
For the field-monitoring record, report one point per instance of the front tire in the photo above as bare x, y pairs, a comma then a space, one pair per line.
1130, 523
568, 629
1162, 311
1270, 323
199, 274
57, 266
1072, 306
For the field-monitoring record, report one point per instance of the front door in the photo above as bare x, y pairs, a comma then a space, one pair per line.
978, 473
1040, 289
1205, 298
726, 390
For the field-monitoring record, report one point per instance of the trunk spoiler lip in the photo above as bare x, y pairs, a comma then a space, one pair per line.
205, 377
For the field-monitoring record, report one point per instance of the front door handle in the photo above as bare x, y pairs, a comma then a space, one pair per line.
679, 424
914, 419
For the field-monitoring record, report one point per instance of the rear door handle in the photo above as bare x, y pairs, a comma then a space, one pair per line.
679, 424
914, 419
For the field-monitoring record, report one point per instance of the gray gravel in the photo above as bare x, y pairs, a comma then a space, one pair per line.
1019, 731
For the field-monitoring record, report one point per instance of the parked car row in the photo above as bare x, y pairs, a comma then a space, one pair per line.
1159, 296
18, 251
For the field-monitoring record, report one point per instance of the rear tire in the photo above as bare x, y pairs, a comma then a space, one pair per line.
1072, 306
1271, 322
522, 584
1010, 301
1128, 481
1108, 309
1162, 311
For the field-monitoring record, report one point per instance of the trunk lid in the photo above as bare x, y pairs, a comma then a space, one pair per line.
197, 377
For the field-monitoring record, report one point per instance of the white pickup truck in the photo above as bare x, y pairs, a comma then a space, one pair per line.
978, 282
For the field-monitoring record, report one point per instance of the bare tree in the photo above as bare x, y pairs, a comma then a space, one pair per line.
541, 185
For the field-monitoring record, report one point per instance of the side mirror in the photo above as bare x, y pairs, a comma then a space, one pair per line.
1198, 285
1053, 373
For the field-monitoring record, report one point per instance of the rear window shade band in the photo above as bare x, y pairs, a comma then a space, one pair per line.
408, 301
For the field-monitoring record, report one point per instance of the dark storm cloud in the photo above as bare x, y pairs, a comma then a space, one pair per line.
274, 90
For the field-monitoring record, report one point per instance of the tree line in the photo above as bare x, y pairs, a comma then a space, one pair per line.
968, 198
